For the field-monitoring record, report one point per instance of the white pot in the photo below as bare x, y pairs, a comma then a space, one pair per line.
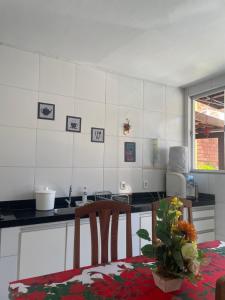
45, 199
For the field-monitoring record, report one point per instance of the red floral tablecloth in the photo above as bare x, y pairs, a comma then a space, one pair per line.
125, 279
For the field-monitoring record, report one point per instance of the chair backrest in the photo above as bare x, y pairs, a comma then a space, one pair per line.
155, 205
220, 288
105, 210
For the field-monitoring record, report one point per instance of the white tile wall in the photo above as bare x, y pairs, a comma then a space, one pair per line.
110, 152
17, 147
133, 176
87, 154
92, 114
56, 76
90, 177
112, 119
19, 68
58, 179
155, 179
173, 103
54, 149
36, 153
18, 107
174, 127
135, 116
154, 97
90, 84
16, 183
124, 91
111, 180
154, 125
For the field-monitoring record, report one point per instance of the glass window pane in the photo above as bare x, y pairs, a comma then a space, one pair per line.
208, 143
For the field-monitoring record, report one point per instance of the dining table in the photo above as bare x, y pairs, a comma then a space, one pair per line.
129, 278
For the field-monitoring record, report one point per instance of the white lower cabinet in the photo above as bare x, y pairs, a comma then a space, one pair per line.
85, 245
42, 250
8, 272
146, 223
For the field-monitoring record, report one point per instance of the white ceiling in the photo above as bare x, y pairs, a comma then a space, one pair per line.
170, 41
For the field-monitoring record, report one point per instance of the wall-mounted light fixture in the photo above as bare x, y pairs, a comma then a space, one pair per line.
126, 127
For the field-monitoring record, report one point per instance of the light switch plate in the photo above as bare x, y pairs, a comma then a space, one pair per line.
122, 185
145, 184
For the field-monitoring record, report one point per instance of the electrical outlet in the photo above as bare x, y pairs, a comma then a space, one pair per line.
122, 185
145, 184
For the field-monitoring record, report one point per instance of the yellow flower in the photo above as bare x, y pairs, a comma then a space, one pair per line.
178, 214
176, 202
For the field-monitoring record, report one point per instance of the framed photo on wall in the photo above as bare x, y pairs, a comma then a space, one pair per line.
73, 124
97, 135
129, 152
46, 111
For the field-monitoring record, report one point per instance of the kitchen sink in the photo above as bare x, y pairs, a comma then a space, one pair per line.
64, 211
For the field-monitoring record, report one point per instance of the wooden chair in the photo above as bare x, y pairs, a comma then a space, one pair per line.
220, 288
155, 205
104, 209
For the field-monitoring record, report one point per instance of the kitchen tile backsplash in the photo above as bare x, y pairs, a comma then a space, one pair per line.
36, 152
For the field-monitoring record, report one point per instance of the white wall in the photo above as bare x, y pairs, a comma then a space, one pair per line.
211, 183
39, 152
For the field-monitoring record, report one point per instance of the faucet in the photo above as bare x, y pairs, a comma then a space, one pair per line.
68, 201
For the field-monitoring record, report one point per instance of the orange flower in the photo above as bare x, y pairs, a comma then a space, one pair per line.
188, 229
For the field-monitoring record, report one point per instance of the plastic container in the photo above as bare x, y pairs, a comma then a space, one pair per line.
45, 199
84, 195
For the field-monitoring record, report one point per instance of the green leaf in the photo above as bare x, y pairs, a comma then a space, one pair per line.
160, 214
163, 236
178, 258
118, 278
164, 205
143, 234
148, 250
172, 215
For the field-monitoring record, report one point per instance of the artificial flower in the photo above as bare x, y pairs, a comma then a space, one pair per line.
188, 229
189, 251
176, 202
193, 266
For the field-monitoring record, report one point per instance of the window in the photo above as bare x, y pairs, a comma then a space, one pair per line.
208, 131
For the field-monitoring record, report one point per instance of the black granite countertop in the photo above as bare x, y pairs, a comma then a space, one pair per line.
23, 212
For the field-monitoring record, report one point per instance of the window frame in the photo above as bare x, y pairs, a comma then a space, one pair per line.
191, 118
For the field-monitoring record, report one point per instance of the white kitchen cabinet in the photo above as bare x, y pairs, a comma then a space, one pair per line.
204, 221
9, 241
8, 273
85, 244
146, 223
206, 236
42, 250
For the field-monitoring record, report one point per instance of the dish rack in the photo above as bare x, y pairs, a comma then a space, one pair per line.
107, 195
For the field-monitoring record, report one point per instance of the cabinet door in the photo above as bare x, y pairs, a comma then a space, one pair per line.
42, 251
146, 223
122, 237
8, 273
9, 241
85, 245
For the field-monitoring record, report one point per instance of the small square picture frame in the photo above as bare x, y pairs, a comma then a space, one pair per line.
46, 111
73, 124
97, 135
130, 152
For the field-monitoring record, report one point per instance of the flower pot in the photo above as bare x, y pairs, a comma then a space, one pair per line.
166, 284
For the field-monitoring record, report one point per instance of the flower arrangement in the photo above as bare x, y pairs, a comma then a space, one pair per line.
175, 250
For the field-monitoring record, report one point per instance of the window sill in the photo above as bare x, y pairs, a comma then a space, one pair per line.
208, 171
